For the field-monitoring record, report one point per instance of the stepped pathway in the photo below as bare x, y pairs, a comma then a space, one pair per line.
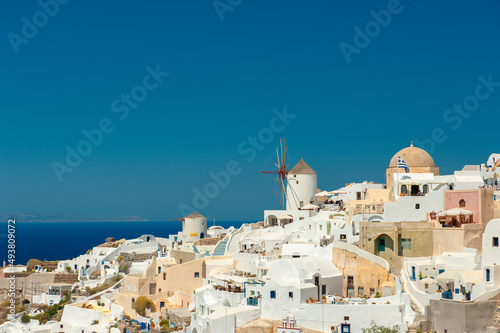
496, 318
220, 248
419, 316
234, 243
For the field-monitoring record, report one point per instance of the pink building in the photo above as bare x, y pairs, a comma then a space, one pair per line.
480, 201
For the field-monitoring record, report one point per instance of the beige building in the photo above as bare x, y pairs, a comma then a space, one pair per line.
363, 276
395, 240
176, 281
455, 239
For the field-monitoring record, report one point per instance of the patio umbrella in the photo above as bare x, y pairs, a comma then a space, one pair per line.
336, 192
322, 193
428, 280
286, 217
456, 212
310, 207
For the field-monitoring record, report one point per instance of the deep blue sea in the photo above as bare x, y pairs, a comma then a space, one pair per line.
67, 240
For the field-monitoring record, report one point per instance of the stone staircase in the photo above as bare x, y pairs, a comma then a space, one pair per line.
419, 317
220, 249
496, 318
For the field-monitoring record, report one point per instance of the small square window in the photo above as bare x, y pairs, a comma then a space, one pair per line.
406, 243
273, 294
495, 241
290, 294
346, 318
196, 274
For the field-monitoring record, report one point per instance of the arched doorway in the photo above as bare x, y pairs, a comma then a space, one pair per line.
383, 243
271, 220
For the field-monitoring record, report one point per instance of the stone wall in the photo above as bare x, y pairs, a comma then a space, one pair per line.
17, 274
366, 274
457, 317
65, 278
208, 241
129, 258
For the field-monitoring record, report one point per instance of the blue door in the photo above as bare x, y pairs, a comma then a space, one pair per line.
487, 275
345, 328
381, 244
413, 273
441, 271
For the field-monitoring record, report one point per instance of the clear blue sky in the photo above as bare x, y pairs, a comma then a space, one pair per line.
225, 78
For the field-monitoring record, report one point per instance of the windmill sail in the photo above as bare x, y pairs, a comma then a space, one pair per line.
281, 179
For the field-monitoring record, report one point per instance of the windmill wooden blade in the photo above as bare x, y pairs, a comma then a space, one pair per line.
282, 166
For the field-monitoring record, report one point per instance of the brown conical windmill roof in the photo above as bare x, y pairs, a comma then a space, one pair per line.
302, 168
194, 215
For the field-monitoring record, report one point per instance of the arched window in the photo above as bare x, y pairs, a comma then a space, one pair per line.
462, 203
403, 189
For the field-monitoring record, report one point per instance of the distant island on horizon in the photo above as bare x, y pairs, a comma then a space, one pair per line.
68, 217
